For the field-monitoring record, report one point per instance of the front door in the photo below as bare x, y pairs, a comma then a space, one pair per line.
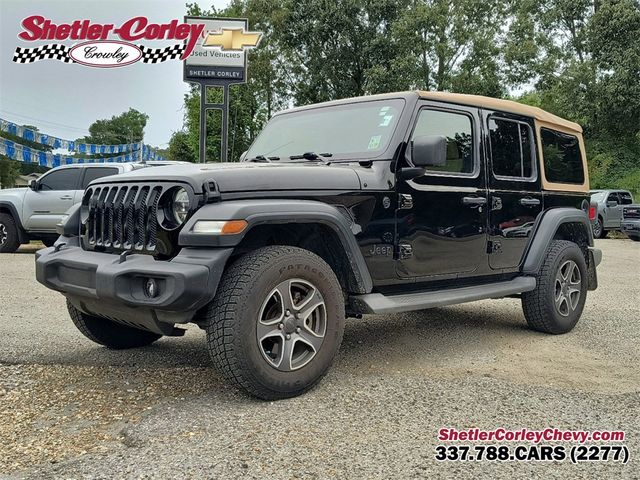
442, 215
514, 187
43, 208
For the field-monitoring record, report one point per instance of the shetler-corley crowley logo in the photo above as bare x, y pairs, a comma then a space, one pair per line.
97, 50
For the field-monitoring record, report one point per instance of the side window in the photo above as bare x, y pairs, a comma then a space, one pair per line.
458, 130
626, 198
613, 197
511, 149
92, 173
562, 157
63, 179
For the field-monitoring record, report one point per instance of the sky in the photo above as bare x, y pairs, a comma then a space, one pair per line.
64, 99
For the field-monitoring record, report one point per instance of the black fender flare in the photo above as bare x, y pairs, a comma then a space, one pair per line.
545, 229
260, 212
22, 234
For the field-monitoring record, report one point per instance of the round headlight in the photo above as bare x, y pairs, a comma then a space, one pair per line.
180, 205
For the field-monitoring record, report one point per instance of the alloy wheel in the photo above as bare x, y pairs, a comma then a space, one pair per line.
291, 324
568, 288
3, 234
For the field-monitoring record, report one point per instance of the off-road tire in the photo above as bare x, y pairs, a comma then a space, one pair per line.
110, 334
599, 231
539, 304
49, 241
11, 241
231, 321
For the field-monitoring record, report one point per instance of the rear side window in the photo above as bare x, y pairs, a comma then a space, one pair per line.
626, 198
562, 157
93, 173
511, 149
63, 179
457, 128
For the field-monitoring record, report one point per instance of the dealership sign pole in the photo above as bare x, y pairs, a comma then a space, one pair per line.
220, 60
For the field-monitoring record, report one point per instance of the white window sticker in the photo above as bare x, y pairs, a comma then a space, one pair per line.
383, 111
374, 142
386, 120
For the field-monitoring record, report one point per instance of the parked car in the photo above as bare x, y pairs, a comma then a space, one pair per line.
373, 205
33, 213
631, 221
608, 205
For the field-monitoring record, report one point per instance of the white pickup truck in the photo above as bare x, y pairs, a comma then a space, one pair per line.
33, 213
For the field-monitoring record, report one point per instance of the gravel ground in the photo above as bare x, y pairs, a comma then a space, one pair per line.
71, 409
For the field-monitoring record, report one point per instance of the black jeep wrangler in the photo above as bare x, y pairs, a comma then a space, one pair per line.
372, 205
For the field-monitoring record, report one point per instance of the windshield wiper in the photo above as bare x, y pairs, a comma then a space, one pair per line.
262, 158
324, 157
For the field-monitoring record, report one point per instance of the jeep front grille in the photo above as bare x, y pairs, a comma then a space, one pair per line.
631, 212
124, 217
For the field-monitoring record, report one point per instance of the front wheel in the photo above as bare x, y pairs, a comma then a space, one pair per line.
276, 322
635, 238
110, 334
556, 304
9, 240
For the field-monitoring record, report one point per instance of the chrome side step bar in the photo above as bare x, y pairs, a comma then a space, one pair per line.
379, 303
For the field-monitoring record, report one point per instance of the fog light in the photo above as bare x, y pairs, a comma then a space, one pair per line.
151, 288
220, 227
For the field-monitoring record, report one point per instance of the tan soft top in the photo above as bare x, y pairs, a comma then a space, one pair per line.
508, 106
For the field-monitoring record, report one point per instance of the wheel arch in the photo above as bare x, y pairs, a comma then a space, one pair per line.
557, 224
315, 226
10, 209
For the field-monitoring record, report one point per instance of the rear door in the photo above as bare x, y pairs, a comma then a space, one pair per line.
515, 199
442, 218
43, 208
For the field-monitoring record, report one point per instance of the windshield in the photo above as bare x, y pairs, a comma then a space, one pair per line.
355, 130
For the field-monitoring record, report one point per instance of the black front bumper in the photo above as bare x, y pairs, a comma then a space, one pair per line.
113, 287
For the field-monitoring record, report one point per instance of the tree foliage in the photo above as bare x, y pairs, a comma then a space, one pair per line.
579, 59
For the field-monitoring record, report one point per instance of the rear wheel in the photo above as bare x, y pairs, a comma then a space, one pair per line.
556, 304
598, 229
9, 241
110, 334
276, 322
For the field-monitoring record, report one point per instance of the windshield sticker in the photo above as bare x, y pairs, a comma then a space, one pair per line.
374, 142
386, 120
384, 110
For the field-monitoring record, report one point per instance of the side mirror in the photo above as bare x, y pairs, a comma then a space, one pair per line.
243, 156
429, 151
612, 203
33, 184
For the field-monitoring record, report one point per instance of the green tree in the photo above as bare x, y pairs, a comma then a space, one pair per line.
11, 169
128, 127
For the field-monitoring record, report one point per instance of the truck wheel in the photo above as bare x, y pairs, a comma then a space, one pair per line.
556, 303
276, 322
598, 229
635, 238
9, 241
110, 334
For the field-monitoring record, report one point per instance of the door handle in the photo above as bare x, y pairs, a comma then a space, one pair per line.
66, 197
529, 202
474, 201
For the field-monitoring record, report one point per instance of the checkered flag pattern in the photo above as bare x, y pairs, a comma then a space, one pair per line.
157, 55
54, 51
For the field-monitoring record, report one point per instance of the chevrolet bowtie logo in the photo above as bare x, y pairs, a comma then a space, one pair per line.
232, 39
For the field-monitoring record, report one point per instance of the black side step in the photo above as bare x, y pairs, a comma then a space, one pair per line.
379, 303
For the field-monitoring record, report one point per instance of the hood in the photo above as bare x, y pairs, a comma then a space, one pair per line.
243, 177
13, 193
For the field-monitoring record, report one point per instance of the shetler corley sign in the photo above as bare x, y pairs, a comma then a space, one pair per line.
222, 55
